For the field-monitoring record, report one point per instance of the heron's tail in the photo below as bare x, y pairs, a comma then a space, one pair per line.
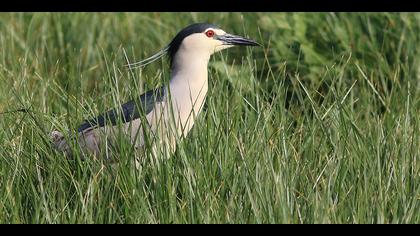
60, 142
88, 143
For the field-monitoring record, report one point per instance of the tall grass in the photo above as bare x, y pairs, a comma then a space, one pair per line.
320, 125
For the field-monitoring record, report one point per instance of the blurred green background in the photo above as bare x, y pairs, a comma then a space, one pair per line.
320, 125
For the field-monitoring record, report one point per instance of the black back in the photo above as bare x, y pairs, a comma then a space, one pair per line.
127, 112
191, 29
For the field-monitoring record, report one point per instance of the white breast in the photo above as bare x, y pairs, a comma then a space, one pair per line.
187, 100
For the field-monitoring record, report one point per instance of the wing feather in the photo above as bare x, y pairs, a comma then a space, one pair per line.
127, 112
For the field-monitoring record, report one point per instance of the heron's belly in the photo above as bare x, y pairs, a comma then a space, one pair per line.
171, 122
165, 125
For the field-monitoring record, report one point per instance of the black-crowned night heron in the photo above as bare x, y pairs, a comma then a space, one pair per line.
170, 110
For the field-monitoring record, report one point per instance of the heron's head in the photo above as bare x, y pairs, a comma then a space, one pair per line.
205, 38
197, 41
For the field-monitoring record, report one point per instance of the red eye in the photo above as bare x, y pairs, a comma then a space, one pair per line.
209, 33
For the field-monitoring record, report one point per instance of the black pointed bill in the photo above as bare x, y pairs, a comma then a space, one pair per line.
229, 39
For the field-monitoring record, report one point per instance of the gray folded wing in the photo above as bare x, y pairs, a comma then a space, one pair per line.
127, 112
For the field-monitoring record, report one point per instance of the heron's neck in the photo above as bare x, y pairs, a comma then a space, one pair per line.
189, 73
188, 86
190, 68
